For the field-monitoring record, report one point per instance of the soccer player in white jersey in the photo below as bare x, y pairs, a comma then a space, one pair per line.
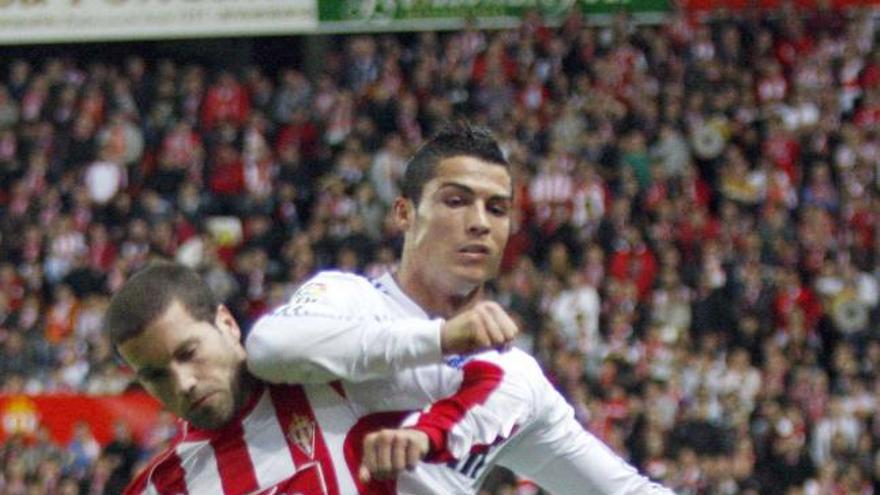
238, 435
384, 339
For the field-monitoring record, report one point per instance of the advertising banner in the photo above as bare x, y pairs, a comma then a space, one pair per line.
59, 413
396, 15
37, 21
708, 5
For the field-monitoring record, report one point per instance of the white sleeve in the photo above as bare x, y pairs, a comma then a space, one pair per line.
566, 460
507, 412
322, 336
561, 457
491, 400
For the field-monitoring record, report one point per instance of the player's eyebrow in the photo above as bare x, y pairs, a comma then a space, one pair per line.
469, 190
184, 345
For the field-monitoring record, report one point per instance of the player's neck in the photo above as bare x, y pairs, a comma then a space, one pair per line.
434, 300
248, 388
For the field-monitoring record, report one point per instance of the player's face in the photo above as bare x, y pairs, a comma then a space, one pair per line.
458, 231
194, 368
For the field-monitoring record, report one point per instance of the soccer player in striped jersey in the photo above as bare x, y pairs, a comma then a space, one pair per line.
238, 435
395, 343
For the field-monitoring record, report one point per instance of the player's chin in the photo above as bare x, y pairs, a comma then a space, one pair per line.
205, 422
210, 418
474, 274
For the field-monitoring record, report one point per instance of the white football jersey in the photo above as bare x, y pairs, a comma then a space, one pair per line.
490, 408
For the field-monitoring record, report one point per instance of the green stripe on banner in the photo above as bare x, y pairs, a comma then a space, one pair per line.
423, 12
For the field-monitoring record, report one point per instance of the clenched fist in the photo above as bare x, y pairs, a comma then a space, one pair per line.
388, 452
484, 326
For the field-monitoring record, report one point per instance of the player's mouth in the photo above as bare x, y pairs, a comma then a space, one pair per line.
475, 252
201, 401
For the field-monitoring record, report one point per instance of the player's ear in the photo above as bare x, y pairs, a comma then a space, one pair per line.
226, 322
404, 212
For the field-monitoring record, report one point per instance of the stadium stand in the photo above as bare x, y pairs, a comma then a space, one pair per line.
694, 257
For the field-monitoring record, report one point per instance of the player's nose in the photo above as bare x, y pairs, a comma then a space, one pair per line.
185, 380
477, 219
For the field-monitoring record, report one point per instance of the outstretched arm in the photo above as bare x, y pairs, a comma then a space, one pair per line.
506, 412
330, 330
563, 458
324, 333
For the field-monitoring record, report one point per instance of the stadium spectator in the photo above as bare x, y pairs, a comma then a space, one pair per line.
762, 225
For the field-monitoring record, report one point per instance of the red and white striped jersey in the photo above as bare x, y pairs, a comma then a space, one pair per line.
487, 409
288, 440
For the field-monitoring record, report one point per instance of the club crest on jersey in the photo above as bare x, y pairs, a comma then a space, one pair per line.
301, 431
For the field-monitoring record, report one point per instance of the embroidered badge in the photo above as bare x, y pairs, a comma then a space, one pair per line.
301, 431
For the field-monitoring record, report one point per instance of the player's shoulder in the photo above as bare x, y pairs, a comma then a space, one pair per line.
514, 362
514, 357
336, 279
155, 471
330, 284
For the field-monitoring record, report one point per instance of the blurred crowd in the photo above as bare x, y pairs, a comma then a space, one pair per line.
693, 259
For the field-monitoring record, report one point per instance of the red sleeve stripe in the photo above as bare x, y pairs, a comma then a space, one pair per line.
234, 462
138, 486
480, 379
169, 477
166, 465
354, 449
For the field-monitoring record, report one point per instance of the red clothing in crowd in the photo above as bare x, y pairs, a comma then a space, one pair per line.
788, 51
697, 191
102, 254
802, 298
227, 174
304, 136
636, 263
862, 222
691, 232
226, 101
870, 76
785, 154
867, 116
491, 59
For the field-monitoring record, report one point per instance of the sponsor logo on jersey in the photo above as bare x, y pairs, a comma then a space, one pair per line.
309, 293
457, 361
301, 431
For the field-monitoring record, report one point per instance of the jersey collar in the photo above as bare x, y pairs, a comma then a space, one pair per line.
388, 284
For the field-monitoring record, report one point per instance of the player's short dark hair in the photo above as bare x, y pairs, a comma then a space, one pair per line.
149, 293
455, 139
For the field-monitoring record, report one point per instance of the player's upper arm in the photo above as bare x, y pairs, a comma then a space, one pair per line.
331, 329
281, 345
